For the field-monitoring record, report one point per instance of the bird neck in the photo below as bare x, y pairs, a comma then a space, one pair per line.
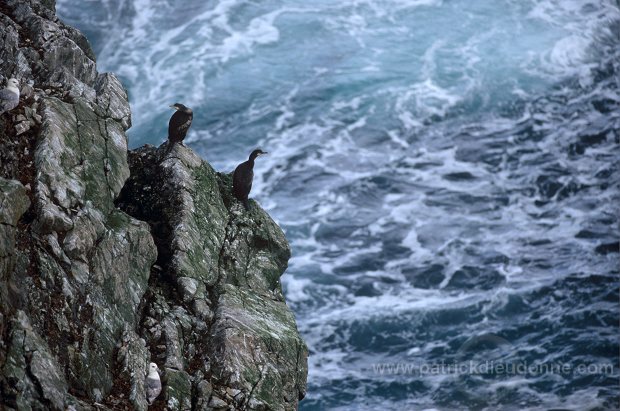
184, 110
13, 89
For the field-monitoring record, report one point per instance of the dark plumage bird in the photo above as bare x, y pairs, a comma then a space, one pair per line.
178, 125
242, 178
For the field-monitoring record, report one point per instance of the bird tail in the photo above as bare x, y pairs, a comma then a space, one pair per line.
246, 204
169, 148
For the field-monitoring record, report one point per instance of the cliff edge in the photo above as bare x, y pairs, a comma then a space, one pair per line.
110, 259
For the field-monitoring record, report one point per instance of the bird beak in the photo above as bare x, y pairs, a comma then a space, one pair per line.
264, 152
174, 107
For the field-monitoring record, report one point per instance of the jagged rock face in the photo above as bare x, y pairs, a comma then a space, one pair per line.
74, 268
216, 317
83, 306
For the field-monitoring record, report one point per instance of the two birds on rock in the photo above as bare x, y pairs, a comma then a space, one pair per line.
178, 127
243, 175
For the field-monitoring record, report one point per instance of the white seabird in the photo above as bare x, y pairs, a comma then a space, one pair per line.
9, 97
153, 383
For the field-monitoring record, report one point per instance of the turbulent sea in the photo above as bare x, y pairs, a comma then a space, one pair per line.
447, 172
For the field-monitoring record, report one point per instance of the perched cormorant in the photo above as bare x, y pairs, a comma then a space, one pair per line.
242, 178
179, 123
9, 97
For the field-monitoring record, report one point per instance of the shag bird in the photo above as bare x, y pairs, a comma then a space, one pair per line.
9, 97
152, 383
178, 125
242, 178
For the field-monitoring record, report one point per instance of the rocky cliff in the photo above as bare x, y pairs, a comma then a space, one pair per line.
110, 259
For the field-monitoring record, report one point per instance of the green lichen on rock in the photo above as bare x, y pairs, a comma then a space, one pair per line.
179, 390
14, 202
78, 267
274, 369
256, 252
224, 265
200, 228
110, 259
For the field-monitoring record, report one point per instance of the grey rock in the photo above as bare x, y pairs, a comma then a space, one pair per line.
203, 393
253, 342
21, 128
40, 379
187, 287
174, 349
27, 92
14, 202
132, 357
233, 392
112, 98
83, 307
244, 319
202, 310
81, 268
217, 403
178, 390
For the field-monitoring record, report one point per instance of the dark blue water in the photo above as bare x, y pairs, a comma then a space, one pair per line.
446, 172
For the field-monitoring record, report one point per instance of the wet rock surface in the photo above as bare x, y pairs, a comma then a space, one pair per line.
110, 259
